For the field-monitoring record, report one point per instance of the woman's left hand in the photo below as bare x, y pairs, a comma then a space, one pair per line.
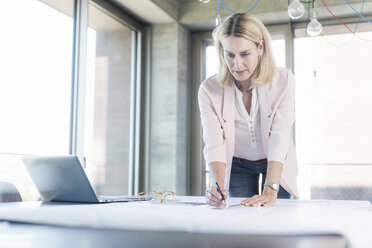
268, 198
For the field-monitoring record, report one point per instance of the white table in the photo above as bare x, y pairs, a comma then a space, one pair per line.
188, 215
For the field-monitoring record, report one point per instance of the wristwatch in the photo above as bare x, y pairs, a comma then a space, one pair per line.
274, 186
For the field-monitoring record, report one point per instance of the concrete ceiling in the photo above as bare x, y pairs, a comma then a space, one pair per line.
151, 11
197, 16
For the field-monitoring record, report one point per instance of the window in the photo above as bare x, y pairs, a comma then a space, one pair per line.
333, 116
35, 89
211, 63
108, 102
278, 49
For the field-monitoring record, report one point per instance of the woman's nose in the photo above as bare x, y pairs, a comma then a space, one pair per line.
237, 61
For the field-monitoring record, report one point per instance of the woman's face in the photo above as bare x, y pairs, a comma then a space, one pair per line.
241, 56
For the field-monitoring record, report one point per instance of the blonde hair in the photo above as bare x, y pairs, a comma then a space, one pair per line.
245, 26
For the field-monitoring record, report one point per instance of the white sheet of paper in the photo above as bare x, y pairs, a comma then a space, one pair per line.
353, 219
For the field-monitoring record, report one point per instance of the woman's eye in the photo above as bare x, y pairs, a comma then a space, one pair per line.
230, 55
245, 54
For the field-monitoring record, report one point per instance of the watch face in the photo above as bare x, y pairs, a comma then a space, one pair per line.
274, 186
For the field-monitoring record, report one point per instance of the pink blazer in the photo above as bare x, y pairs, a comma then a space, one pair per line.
276, 100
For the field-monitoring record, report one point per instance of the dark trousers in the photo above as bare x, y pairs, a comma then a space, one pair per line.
244, 178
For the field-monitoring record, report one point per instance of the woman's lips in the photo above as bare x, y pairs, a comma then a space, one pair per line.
240, 72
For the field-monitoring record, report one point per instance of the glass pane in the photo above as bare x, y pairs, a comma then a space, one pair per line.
211, 63
35, 88
278, 49
35, 80
108, 103
333, 115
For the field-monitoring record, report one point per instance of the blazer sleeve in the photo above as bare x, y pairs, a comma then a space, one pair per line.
213, 134
280, 135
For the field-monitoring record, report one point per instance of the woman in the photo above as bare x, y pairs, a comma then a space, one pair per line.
247, 111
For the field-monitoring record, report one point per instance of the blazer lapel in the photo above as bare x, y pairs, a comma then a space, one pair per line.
228, 116
228, 110
265, 113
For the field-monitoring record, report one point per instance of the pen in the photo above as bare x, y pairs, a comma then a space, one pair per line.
219, 191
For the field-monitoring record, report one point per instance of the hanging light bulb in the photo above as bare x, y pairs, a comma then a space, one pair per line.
218, 20
296, 9
314, 28
204, 1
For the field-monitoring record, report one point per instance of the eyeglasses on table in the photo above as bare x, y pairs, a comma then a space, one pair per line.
151, 195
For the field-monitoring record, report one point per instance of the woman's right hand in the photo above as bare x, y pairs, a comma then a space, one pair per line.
213, 198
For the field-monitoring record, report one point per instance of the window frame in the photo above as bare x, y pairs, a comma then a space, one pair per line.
138, 78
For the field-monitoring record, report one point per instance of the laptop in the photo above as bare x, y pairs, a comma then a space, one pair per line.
62, 179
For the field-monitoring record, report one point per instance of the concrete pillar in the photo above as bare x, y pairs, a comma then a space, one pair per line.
169, 106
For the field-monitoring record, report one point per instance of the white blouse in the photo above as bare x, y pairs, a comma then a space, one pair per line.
248, 143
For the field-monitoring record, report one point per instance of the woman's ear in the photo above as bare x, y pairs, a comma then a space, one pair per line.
261, 47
